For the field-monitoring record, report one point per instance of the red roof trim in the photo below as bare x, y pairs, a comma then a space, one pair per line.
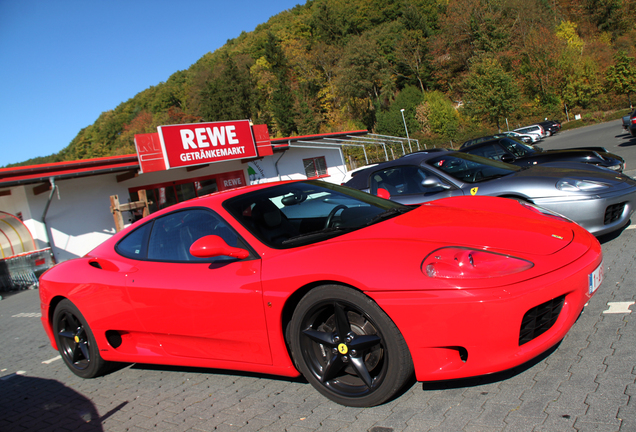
69, 165
84, 167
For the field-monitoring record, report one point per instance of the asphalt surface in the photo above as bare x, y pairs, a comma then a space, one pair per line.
587, 383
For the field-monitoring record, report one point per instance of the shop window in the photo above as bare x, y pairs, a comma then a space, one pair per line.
315, 167
205, 187
185, 191
163, 195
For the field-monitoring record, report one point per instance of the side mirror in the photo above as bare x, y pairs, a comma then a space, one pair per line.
433, 182
383, 193
213, 246
507, 158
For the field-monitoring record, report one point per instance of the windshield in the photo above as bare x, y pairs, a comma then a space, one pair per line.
301, 213
517, 148
469, 168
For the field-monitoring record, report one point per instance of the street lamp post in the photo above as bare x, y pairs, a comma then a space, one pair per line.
407, 130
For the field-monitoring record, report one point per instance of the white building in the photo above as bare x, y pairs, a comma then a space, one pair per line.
67, 206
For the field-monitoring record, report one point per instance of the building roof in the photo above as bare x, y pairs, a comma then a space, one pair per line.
33, 174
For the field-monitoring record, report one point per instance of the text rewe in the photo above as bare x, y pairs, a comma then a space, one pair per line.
206, 137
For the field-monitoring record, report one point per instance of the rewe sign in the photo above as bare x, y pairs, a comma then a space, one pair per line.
203, 143
177, 146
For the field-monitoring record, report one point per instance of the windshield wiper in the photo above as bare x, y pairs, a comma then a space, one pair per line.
395, 211
327, 232
492, 177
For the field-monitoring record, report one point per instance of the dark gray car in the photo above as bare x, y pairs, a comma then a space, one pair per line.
511, 151
598, 199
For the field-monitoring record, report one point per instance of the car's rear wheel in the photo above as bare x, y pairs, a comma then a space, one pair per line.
75, 341
348, 348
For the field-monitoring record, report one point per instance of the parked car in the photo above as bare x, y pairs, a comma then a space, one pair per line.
477, 140
632, 124
533, 129
521, 137
599, 199
550, 126
626, 122
354, 292
517, 153
351, 173
526, 138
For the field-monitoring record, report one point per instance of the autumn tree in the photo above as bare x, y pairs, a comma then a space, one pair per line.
229, 95
491, 92
621, 77
390, 122
581, 80
282, 99
437, 116
363, 76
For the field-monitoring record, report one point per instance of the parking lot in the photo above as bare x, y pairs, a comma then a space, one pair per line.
586, 383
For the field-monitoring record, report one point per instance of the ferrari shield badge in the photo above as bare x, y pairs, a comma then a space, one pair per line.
474, 190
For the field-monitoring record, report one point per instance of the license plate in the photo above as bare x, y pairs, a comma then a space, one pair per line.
595, 279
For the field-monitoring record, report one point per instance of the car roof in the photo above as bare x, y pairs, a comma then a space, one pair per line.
416, 158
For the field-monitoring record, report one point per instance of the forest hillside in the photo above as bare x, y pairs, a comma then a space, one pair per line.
457, 68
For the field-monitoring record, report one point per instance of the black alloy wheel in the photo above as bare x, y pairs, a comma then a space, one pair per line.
75, 341
348, 348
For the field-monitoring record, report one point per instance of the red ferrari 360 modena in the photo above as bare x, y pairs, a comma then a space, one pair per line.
354, 292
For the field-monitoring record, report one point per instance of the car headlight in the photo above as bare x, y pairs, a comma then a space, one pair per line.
573, 185
614, 167
466, 263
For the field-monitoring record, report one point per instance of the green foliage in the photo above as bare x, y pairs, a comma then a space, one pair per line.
390, 122
621, 77
491, 92
332, 65
437, 116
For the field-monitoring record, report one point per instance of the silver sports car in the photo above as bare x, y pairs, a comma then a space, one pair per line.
598, 199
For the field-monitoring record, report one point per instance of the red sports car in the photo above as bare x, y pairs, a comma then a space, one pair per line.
354, 292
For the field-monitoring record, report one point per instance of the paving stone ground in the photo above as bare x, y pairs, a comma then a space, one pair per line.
587, 383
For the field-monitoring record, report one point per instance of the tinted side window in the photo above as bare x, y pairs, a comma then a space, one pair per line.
516, 149
173, 234
134, 244
490, 151
404, 180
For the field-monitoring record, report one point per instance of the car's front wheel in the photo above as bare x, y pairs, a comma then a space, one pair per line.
75, 341
348, 348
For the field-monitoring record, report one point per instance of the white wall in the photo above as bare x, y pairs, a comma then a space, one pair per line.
16, 202
290, 163
79, 216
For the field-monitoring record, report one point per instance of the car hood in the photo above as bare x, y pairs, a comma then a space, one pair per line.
559, 170
497, 224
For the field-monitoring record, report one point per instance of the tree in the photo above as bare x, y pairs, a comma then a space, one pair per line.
411, 51
437, 116
621, 77
491, 92
390, 121
282, 98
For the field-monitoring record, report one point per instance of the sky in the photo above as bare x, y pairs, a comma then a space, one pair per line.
64, 62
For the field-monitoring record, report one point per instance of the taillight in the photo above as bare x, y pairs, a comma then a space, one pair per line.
465, 263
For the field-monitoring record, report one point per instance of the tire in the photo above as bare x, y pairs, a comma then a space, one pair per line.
76, 343
348, 348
